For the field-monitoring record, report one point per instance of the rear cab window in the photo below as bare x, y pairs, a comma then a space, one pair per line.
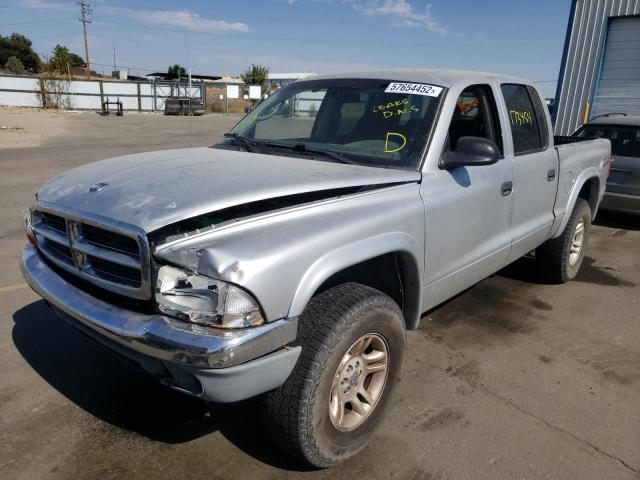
526, 118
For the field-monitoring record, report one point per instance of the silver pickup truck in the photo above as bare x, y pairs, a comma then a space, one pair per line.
289, 260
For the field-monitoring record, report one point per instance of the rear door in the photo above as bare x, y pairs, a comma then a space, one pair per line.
535, 168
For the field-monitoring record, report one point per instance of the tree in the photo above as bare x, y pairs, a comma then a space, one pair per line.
19, 46
14, 65
62, 59
176, 71
255, 75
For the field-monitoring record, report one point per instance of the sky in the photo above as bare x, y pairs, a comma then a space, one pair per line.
220, 37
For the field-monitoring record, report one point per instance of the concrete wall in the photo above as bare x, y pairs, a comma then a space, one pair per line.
21, 91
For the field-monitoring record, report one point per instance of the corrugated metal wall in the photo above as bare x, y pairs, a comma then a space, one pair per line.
582, 57
618, 88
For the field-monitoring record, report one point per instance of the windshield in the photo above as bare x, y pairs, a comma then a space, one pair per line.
625, 140
362, 121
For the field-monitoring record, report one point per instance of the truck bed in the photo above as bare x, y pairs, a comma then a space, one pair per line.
566, 139
579, 159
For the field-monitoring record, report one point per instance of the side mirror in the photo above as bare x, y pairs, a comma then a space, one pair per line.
471, 151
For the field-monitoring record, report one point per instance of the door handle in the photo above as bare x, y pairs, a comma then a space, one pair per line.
551, 175
506, 188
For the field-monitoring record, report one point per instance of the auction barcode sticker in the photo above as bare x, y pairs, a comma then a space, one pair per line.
414, 88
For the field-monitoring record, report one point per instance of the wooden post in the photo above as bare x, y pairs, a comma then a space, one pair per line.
43, 92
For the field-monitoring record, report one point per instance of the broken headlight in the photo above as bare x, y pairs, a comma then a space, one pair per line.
204, 300
28, 217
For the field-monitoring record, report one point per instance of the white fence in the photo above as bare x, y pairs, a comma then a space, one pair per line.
22, 91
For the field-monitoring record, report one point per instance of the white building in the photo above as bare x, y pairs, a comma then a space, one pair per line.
282, 79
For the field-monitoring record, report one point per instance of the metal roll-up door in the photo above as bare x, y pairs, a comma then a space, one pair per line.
618, 88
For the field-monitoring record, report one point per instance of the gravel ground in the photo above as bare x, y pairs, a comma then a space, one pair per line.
512, 379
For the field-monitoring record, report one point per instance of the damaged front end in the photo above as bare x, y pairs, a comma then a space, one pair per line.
204, 300
201, 281
200, 223
195, 292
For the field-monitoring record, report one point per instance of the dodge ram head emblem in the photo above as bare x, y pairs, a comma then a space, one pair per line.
96, 187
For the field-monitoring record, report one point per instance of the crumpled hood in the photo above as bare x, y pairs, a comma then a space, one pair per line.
154, 189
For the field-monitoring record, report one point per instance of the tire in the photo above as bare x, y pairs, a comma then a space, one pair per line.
557, 258
333, 324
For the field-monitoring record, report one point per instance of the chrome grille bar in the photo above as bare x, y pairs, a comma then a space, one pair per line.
51, 234
81, 245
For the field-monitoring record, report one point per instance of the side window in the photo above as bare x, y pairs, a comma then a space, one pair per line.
522, 118
539, 109
475, 115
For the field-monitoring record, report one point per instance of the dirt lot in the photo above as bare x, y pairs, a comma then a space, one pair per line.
512, 379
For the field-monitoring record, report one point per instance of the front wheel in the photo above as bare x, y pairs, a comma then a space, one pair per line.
560, 258
353, 344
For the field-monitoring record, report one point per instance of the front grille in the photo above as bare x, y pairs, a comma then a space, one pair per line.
114, 258
55, 222
114, 241
61, 251
114, 272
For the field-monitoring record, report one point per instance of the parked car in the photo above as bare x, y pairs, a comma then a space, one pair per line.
184, 106
623, 186
289, 260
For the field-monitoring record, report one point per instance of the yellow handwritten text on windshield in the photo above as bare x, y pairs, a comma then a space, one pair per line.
394, 138
392, 109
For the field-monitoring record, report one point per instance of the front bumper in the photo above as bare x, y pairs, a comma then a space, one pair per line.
215, 364
621, 202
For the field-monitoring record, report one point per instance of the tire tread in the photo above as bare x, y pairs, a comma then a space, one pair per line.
327, 314
552, 256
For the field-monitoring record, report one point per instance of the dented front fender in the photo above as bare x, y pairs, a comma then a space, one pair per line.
282, 257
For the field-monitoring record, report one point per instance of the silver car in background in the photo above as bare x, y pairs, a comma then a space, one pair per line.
623, 184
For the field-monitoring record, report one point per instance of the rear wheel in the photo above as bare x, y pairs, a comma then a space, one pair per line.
560, 258
353, 346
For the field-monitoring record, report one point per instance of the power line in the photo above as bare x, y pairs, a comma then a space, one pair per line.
55, 20
300, 39
146, 69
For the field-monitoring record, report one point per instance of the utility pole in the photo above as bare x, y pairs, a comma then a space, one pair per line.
114, 58
186, 44
85, 11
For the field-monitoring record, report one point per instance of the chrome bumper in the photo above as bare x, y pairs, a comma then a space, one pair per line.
156, 336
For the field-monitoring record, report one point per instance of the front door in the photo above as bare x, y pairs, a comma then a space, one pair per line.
468, 209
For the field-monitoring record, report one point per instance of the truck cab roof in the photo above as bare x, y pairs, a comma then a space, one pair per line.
441, 77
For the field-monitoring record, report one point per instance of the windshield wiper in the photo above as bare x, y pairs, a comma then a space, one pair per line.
302, 148
250, 145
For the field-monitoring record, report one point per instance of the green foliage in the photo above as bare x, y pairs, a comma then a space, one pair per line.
175, 71
19, 46
54, 93
62, 59
255, 75
14, 65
